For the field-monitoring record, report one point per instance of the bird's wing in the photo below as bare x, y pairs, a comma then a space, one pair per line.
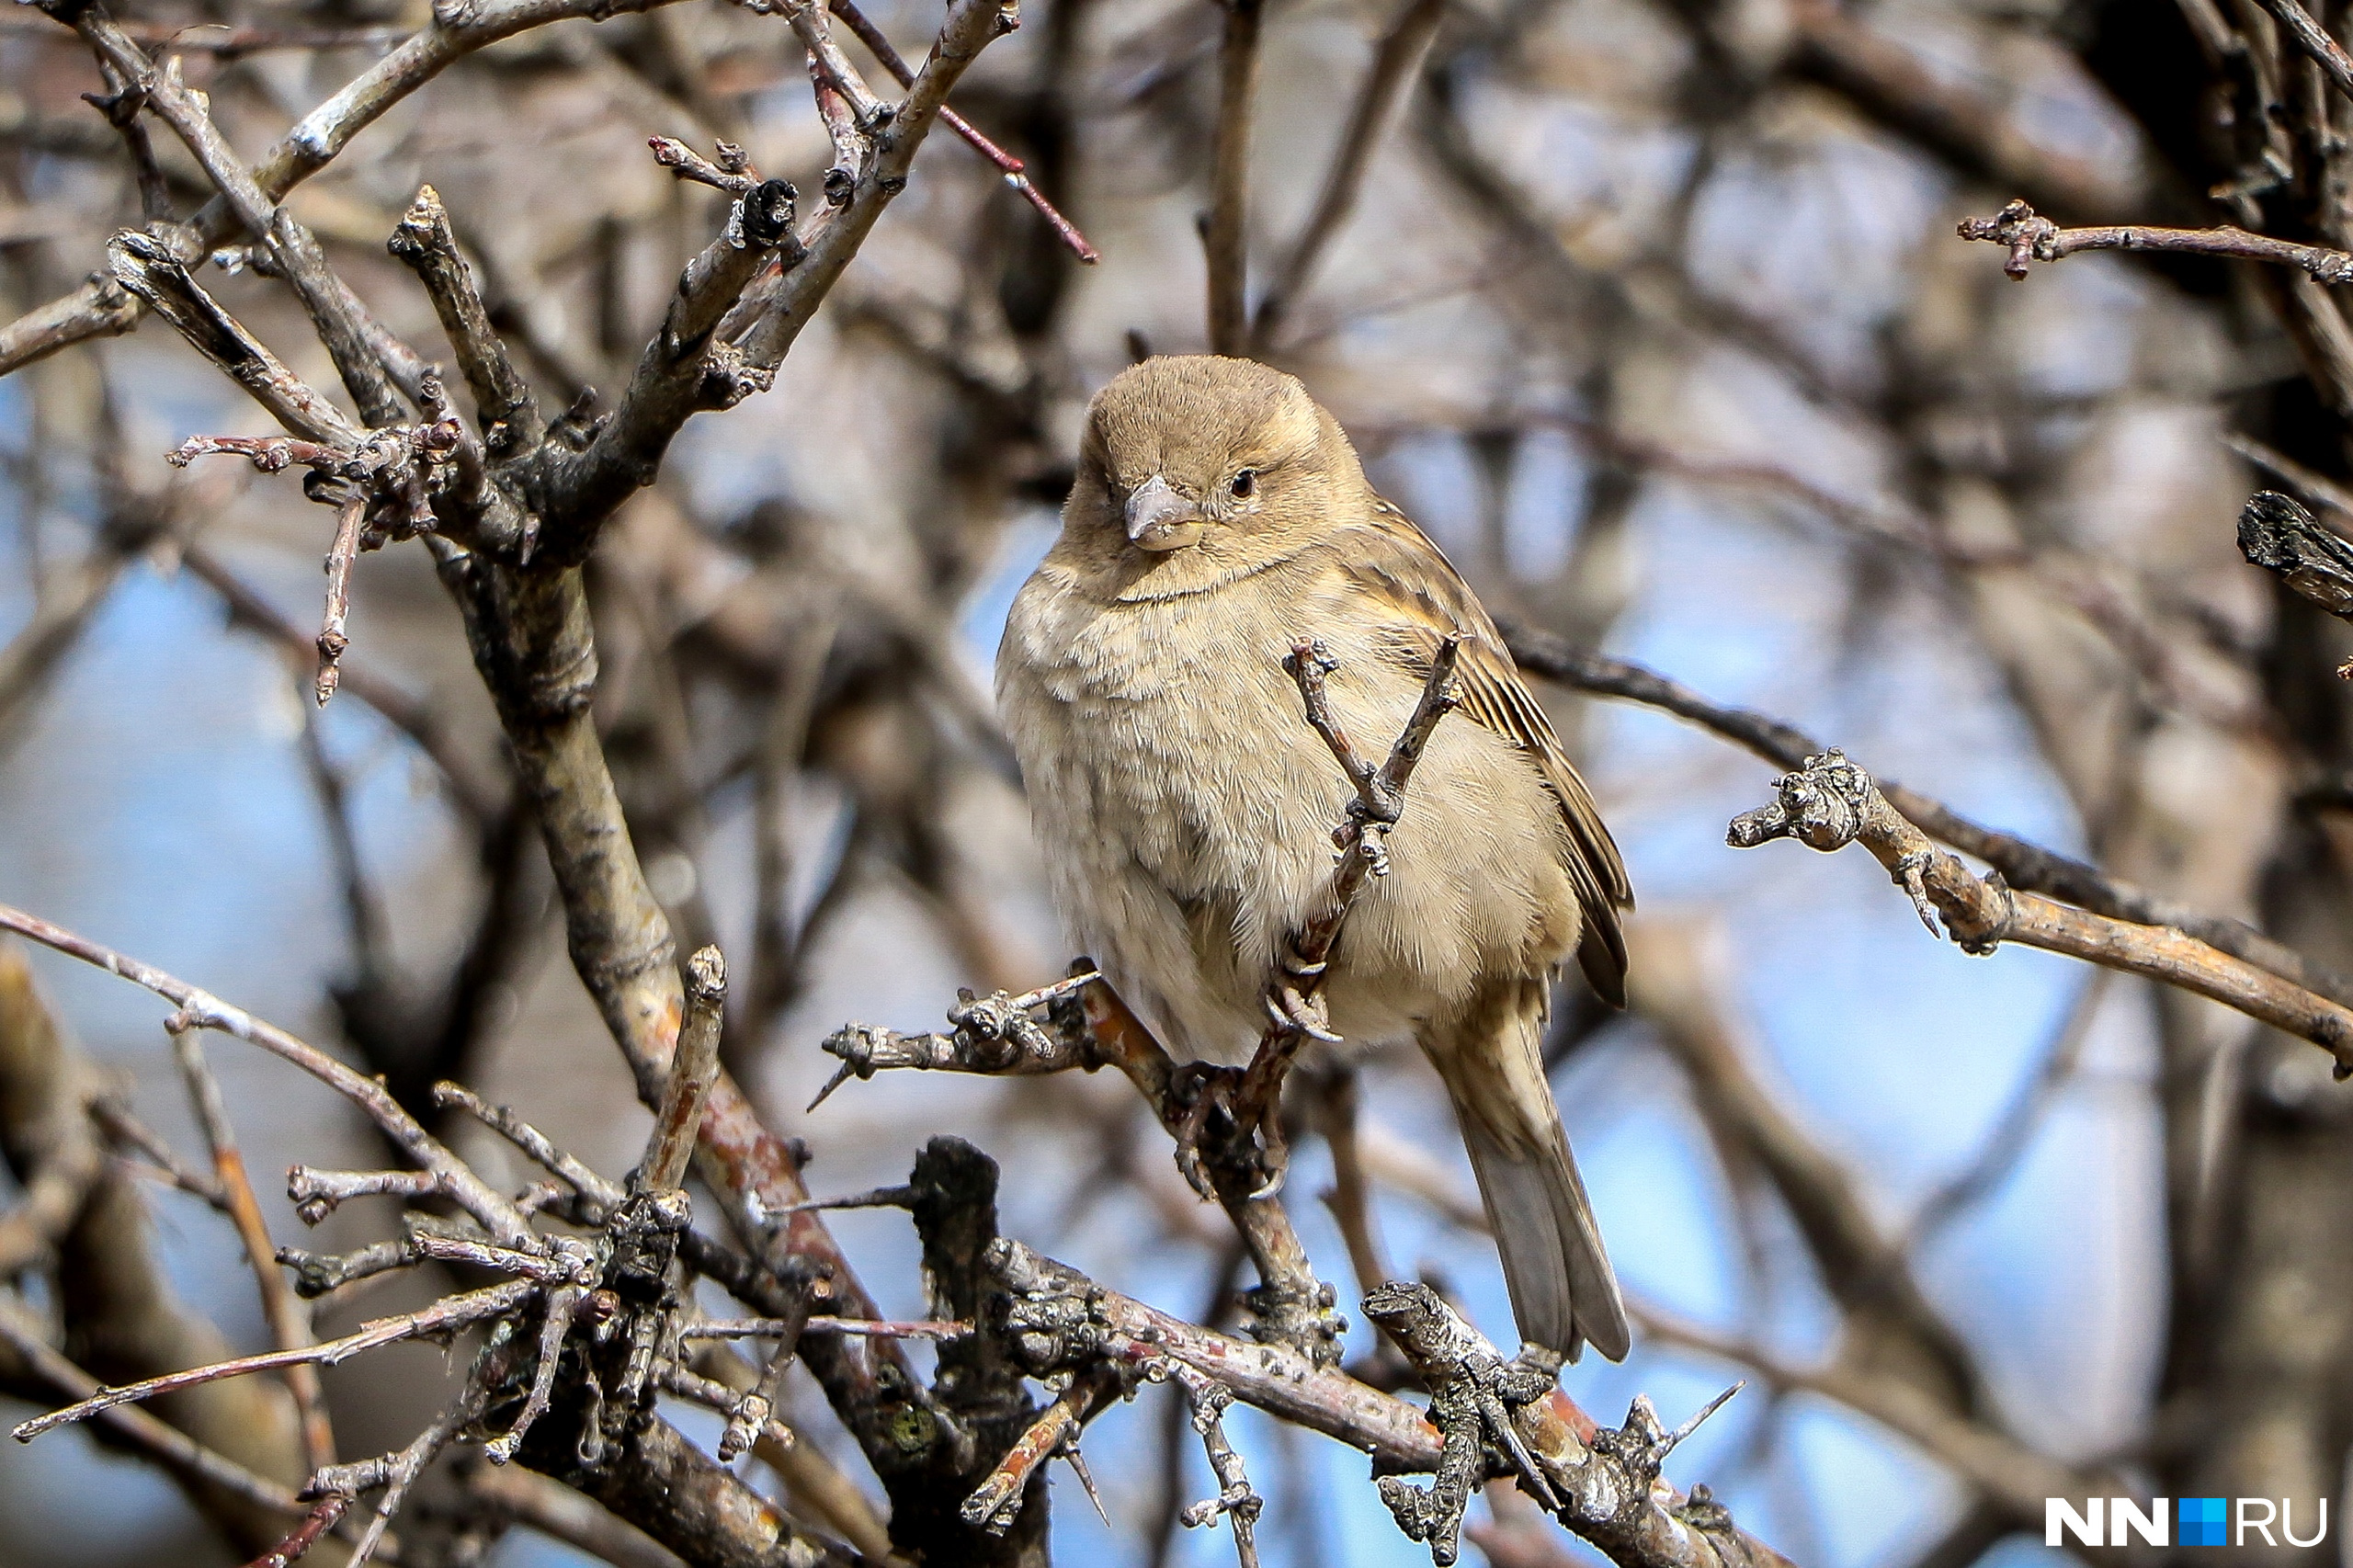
1386, 556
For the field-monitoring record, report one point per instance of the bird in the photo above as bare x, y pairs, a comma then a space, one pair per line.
1183, 808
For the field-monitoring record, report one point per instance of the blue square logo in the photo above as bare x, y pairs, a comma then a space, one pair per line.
2201, 1520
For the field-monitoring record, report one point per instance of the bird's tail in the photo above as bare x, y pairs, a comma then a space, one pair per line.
1564, 1292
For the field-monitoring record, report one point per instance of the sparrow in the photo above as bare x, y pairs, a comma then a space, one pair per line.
1185, 808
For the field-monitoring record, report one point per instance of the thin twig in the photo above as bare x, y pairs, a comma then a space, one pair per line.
996, 1502
2031, 238
2316, 41
305, 1536
333, 311
444, 1316
1297, 1006
206, 1010
397, 1472
169, 1445
1830, 803
289, 1324
532, 1141
340, 559
1395, 65
2026, 867
865, 1328
1235, 1501
157, 1159
693, 1069
1016, 174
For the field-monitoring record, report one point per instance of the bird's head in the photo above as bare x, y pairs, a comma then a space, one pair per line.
1195, 470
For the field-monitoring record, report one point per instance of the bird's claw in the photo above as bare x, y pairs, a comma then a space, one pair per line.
1205, 1090
1298, 1012
1297, 964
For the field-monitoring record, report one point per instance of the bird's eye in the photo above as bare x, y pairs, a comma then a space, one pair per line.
1244, 483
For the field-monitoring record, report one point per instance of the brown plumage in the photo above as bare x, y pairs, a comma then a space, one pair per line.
1185, 807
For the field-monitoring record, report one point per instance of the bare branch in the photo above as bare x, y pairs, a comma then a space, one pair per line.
322, 1517
443, 1317
532, 1141
1235, 1501
684, 369
202, 1009
333, 311
784, 1328
693, 1069
1395, 65
99, 307
1016, 174
730, 172
2031, 237
289, 1324
502, 400
2282, 538
1831, 802
1296, 1004
1226, 236
2026, 867
148, 269
341, 555
168, 1444
1058, 1314
2316, 41
1605, 1486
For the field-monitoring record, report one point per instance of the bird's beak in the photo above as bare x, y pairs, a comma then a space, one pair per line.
1160, 520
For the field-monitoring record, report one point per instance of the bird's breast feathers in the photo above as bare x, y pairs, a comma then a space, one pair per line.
1185, 806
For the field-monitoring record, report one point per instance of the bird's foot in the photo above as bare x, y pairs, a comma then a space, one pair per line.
1294, 997
1215, 1137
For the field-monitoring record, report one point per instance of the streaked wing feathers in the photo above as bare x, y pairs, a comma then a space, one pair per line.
1388, 556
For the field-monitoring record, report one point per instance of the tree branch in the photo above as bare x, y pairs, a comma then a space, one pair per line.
1393, 66
2031, 237
2026, 867
1226, 236
1830, 803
